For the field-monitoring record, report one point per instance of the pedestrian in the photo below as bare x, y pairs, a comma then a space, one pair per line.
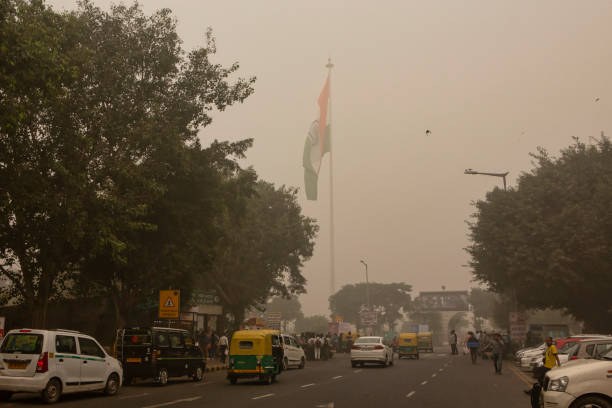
473, 344
498, 352
214, 342
223, 344
318, 343
452, 340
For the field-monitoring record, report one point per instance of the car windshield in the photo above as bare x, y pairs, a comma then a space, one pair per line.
606, 355
567, 346
25, 343
368, 340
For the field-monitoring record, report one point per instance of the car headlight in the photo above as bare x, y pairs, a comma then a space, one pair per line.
560, 384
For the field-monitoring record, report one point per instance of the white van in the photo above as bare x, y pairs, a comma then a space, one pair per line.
55, 362
583, 383
294, 354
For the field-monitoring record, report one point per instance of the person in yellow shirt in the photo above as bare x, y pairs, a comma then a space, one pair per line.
551, 359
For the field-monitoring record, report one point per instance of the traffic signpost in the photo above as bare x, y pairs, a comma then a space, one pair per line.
169, 304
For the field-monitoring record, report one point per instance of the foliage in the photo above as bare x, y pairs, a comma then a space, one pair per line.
390, 300
549, 242
315, 324
262, 249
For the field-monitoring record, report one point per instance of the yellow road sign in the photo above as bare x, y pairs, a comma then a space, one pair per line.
169, 301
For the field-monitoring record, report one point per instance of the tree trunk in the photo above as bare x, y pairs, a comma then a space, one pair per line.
119, 319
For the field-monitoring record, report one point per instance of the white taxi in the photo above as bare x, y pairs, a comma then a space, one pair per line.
55, 362
371, 349
293, 353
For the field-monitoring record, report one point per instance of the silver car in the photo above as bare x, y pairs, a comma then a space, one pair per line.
371, 349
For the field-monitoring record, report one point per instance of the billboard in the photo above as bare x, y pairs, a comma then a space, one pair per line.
368, 318
456, 301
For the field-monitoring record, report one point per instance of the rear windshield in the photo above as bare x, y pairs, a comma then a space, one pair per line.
25, 343
245, 345
136, 338
368, 340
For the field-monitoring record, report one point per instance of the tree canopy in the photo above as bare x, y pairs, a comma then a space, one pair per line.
548, 242
390, 300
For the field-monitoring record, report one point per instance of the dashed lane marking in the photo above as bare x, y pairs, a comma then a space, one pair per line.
336, 377
433, 375
202, 383
441, 370
410, 394
134, 396
307, 385
357, 371
424, 382
165, 404
262, 396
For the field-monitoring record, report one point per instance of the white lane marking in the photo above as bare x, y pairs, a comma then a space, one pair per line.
328, 405
202, 383
165, 404
441, 369
307, 385
357, 371
263, 396
433, 375
410, 394
134, 396
424, 382
336, 377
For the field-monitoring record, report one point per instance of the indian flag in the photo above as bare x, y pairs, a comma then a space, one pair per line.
317, 144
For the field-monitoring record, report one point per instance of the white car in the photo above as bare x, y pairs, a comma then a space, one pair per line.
55, 362
584, 383
294, 354
371, 349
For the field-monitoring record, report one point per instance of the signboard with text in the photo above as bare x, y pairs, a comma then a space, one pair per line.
518, 326
456, 301
274, 320
169, 303
368, 318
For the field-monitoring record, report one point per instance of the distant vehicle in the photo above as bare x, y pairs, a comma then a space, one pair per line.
584, 383
55, 362
371, 349
294, 354
425, 342
255, 354
408, 345
158, 353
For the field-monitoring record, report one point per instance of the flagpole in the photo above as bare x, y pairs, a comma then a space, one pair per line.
332, 276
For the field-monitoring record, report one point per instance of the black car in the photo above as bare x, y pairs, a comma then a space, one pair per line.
158, 353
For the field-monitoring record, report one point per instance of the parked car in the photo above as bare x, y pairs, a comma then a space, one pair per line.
583, 383
371, 349
294, 354
574, 350
159, 353
55, 362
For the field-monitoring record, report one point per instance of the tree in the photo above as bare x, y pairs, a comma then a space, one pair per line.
290, 309
314, 324
103, 141
262, 250
390, 300
547, 242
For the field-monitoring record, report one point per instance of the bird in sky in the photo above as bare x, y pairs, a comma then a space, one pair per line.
427, 132
597, 99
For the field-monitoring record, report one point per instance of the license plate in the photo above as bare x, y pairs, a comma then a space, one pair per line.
17, 366
134, 360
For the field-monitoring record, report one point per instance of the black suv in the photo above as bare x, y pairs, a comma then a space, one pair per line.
158, 353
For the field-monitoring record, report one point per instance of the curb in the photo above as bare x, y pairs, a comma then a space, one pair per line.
215, 368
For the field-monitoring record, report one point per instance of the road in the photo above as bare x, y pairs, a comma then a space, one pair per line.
436, 380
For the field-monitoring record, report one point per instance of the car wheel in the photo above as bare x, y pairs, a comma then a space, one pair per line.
273, 378
198, 374
285, 363
591, 402
353, 364
5, 395
391, 362
417, 356
266, 379
386, 363
233, 380
361, 365
162, 376
112, 384
302, 363
52, 392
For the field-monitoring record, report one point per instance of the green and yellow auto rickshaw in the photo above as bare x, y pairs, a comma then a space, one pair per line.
408, 345
425, 342
255, 354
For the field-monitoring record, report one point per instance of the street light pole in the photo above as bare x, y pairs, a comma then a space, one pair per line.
502, 175
367, 285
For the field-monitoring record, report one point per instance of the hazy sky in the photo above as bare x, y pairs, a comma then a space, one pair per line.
492, 80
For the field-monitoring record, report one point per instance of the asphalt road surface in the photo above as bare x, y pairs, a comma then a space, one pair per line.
436, 380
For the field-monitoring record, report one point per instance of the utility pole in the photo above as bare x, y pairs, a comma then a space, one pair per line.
367, 286
502, 175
